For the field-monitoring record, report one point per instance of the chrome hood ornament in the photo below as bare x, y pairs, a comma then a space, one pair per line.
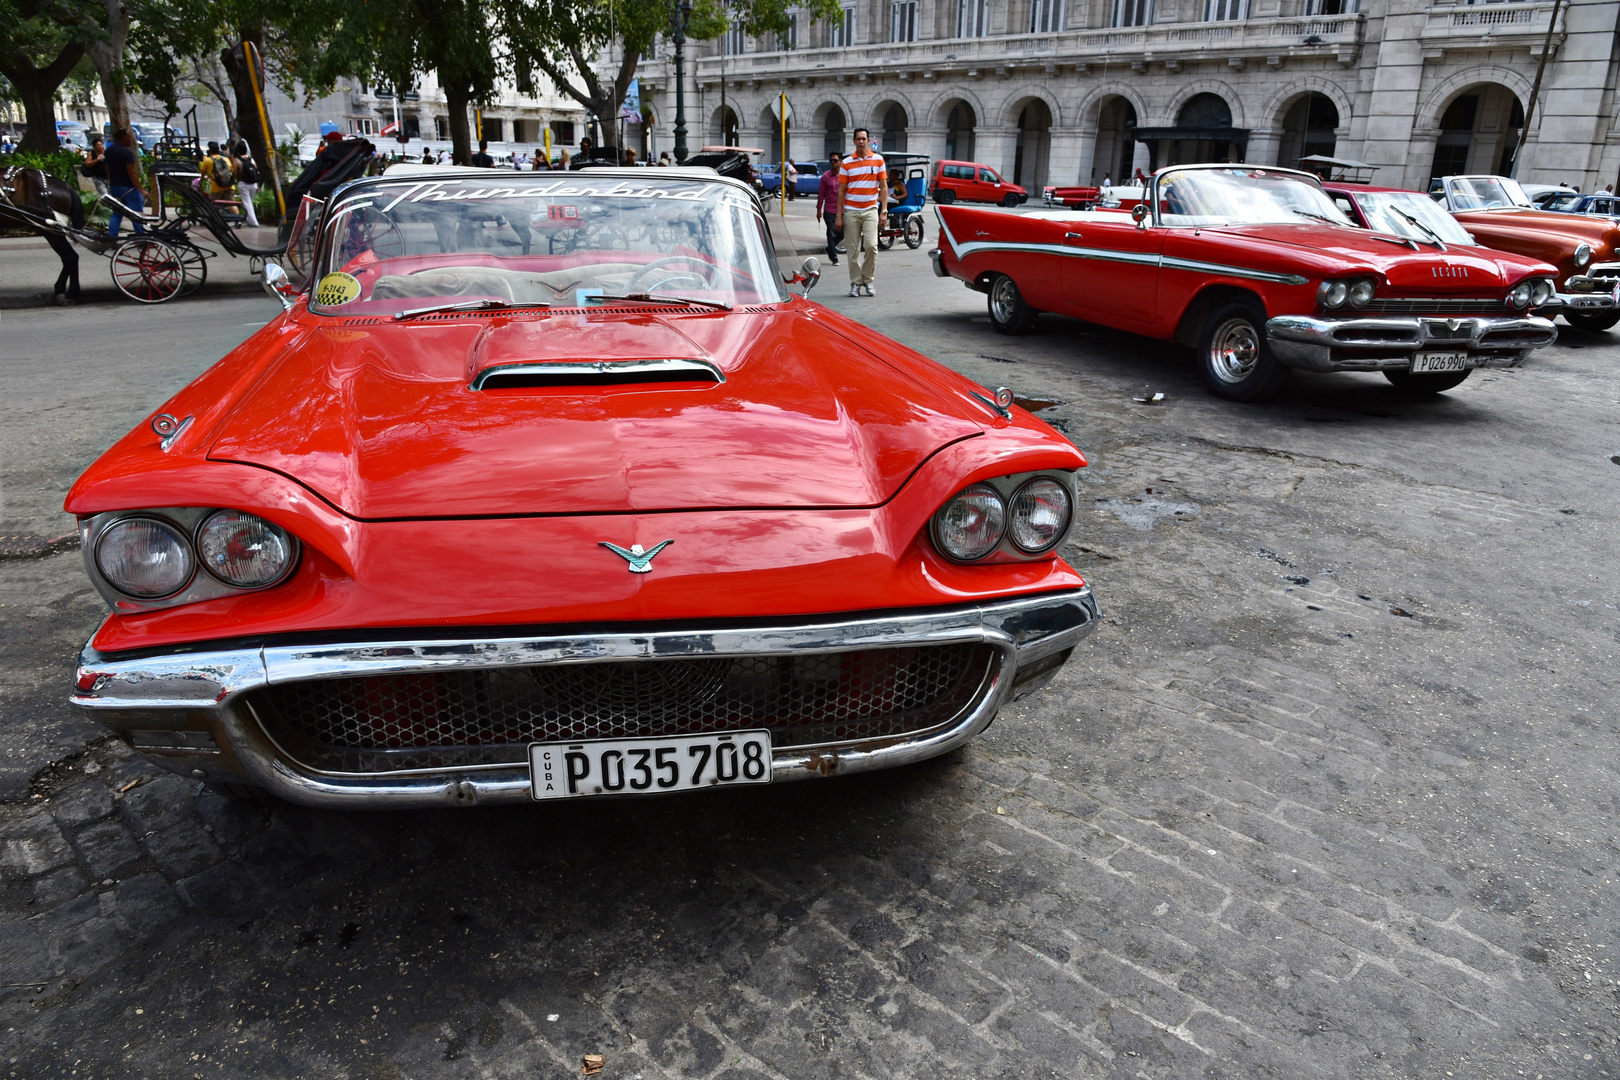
640, 560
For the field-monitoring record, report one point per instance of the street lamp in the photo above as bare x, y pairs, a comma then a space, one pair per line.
683, 12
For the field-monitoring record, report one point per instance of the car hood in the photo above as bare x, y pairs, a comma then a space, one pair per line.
383, 423
1594, 230
1338, 250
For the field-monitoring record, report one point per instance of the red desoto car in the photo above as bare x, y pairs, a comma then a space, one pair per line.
501, 510
1259, 272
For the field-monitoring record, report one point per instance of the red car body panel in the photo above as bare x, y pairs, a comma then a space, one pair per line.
802, 485
1534, 235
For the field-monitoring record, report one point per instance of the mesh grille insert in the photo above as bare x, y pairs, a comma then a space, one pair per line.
387, 723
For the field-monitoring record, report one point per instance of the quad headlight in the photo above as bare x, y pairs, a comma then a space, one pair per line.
971, 525
1541, 291
1040, 515
1357, 292
984, 519
144, 558
1519, 295
243, 550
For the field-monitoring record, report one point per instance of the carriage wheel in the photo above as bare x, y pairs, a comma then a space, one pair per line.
148, 270
562, 241
375, 234
195, 267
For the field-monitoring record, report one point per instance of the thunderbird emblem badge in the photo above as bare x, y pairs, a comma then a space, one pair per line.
640, 560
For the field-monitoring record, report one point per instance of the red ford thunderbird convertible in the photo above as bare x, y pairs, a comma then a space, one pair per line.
1259, 272
548, 488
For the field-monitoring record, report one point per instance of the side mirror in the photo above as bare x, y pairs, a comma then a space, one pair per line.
1139, 214
808, 274
278, 285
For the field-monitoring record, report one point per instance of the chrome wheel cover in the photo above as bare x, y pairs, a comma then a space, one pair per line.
1234, 350
1003, 299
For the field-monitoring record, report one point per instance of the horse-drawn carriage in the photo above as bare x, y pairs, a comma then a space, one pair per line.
164, 259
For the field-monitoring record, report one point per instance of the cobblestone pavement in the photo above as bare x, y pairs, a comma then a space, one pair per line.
1329, 794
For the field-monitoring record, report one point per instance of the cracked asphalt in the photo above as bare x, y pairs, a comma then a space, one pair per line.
1329, 794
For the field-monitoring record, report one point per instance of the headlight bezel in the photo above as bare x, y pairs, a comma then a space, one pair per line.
1332, 294
277, 532
1542, 291
187, 522
97, 555
1008, 486
1361, 292
1519, 296
1583, 255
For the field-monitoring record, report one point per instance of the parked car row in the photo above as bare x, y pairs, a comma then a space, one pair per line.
1264, 270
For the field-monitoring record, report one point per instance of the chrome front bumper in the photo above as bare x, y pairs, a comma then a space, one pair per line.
183, 709
1377, 342
1605, 294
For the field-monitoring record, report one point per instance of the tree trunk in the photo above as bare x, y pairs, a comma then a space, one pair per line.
247, 104
37, 87
108, 58
457, 97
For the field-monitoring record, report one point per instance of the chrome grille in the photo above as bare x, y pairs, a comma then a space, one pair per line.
1433, 306
457, 719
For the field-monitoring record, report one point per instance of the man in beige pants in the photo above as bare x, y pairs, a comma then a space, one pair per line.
863, 200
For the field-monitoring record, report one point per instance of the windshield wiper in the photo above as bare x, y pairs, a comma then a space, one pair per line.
657, 298
467, 305
1318, 217
1430, 233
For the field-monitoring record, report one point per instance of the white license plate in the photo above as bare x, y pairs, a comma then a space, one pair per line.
649, 766
1439, 361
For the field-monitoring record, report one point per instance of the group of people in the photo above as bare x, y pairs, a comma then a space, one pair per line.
228, 176
539, 162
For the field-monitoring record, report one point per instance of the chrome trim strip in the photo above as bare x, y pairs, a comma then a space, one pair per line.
1105, 255
1021, 631
586, 372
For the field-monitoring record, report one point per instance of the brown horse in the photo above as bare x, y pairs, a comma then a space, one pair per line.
32, 199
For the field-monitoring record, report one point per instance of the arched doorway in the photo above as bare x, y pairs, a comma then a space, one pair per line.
893, 135
832, 126
1034, 148
1204, 132
1308, 128
1116, 141
1479, 130
959, 124
724, 126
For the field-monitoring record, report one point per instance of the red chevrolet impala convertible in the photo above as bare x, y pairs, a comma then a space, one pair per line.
1259, 272
547, 487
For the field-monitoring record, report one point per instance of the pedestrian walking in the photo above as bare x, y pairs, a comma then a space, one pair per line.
95, 165
482, 160
790, 180
827, 205
218, 177
863, 199
247, 181
124, 180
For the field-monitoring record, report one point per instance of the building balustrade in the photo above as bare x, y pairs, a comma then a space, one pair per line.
1487, 26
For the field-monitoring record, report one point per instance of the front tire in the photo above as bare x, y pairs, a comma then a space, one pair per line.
1427, 384
1009, 314
1594, 324
914, 232
1235, 356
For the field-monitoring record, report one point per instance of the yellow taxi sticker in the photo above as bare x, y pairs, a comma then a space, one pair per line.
337, 288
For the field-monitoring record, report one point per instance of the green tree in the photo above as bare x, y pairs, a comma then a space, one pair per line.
565, 38
41, 42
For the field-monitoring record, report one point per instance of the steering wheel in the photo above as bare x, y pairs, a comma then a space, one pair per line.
704, 280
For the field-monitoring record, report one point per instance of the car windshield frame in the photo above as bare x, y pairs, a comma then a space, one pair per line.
1379, 208
1215, 196
1465, 193
470, 240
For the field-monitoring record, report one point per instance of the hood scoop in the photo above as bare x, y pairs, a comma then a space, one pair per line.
596, 373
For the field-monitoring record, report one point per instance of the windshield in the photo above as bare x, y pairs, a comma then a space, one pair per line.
1395, 211
431, 240
1241, 196
1485, 193
1561, 201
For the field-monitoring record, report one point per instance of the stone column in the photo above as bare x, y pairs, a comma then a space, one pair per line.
997, 148
1072, 152
1419, 160
1263, 146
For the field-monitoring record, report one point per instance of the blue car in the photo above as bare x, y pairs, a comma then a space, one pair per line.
768, 177
1600, 203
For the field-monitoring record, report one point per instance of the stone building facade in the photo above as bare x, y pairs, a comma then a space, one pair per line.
1068, 91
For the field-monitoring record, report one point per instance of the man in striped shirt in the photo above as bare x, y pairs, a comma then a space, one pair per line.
863, 200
